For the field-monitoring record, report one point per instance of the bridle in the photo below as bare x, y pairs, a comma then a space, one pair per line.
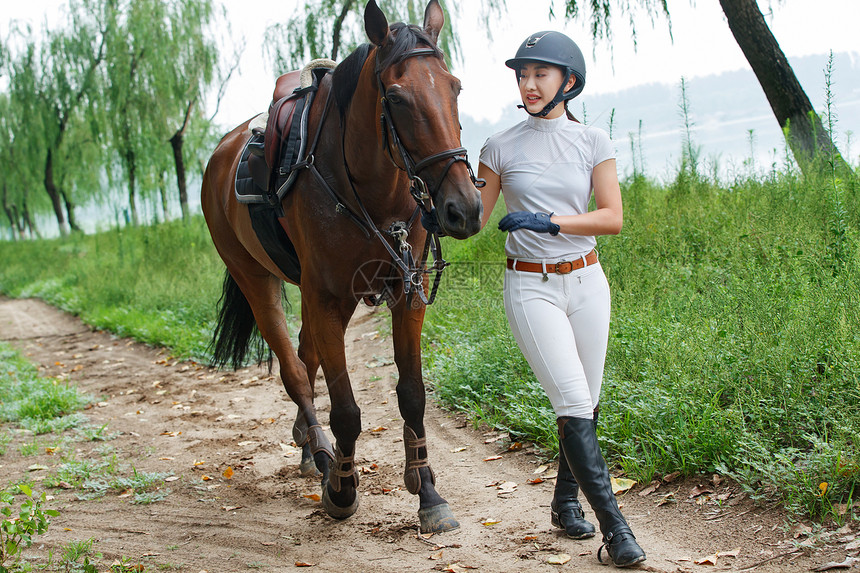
413, 274
418, 188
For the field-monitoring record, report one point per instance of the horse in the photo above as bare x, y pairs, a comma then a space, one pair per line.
387, 146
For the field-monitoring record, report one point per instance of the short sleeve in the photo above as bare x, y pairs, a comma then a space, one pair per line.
603, 147
491, 155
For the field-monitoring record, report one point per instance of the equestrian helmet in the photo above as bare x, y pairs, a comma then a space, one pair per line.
557, 49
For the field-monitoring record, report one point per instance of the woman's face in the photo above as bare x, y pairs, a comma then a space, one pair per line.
538, 85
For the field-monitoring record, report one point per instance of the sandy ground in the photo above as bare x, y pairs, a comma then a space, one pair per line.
195, 422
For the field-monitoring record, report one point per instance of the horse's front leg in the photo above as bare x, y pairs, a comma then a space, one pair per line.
434, 514
328, 318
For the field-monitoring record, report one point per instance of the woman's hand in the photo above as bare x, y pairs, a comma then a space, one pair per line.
538, 222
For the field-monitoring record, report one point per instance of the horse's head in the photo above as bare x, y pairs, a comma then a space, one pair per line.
421, 127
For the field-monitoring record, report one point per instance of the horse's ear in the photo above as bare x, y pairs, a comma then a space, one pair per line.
375, 24
434, 19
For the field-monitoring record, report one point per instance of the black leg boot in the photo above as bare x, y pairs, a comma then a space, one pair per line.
565, 510
579, 441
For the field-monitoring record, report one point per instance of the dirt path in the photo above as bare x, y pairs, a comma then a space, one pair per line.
196, 423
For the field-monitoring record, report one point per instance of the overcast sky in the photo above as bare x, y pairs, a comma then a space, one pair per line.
702, 45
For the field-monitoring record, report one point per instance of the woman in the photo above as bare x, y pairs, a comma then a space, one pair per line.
556, 295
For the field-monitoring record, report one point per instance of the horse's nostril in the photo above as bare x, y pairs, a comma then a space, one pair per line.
454, 216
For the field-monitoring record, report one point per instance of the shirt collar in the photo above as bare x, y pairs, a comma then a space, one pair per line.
543, 124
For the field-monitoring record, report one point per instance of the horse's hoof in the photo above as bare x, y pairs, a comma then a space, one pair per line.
437, 519
336, 511
308, 468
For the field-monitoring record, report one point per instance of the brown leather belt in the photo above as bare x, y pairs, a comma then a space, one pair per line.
562, 268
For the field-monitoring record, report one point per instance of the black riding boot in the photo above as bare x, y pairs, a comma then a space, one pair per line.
579, 441
565, 510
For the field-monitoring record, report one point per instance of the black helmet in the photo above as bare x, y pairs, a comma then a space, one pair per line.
557, 49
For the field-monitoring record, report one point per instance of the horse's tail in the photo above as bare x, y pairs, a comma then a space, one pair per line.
236, 332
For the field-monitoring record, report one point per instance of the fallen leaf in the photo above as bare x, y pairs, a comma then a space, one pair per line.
847, 564
166, 459
491, 521
732, 553
78, 368
669, 478
668, 498
127, 493
650, 489
822, 488
454, 568
535, 481
206, 478
699, 490
506, 487
247, 443
541, 469
514, 447
170, 434
709, 560
304, 564
171, 478
559, 559
620, 485
716, 480
198, 462
379, 429
312, 496
36, 467
460, 449
801, 529
529, 537
231, 507
228, 473
491, 458
436, 556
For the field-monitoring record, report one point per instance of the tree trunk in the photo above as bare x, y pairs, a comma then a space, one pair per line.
162, 189
176, 143
70, 211
338, 24
28, 221
11, 214
131, 166
806, 135
54, 194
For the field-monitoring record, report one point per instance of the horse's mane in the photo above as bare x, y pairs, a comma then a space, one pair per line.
405, 38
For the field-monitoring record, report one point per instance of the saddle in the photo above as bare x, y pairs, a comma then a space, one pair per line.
267, 167
279, 137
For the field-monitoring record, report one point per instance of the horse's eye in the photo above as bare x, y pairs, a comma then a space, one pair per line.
394, 98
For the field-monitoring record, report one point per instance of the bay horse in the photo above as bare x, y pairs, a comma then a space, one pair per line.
388, 102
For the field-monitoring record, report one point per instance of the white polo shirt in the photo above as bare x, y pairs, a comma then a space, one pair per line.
545, 165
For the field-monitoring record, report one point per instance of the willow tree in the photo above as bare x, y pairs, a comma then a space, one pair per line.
54, 80
807, 137
191, 66
331, 28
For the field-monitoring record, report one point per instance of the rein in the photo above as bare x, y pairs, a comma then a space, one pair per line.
413, 274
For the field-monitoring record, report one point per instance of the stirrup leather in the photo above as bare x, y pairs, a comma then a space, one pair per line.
411, 476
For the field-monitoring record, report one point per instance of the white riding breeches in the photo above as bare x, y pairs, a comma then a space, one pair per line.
562, 327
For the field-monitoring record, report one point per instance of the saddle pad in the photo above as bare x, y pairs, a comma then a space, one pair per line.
265, 219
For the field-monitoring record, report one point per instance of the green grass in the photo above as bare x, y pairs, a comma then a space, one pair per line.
158, 284
38, 404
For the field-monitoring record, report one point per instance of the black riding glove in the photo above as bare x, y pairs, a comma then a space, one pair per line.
538, 222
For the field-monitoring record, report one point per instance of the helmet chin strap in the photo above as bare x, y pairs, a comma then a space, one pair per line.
559, 97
